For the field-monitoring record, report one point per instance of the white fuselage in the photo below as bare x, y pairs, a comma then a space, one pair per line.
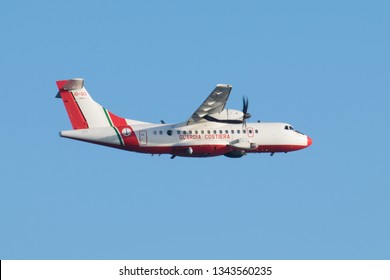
261, 134
210, 131
198, 140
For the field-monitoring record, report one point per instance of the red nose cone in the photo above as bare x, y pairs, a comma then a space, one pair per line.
309, 141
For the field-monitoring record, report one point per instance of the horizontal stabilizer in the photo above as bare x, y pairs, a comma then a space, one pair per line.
69, 85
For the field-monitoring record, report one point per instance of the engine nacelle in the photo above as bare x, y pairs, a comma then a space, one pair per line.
226, 116
235, 154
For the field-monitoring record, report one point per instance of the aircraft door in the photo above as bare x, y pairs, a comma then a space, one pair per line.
143, 138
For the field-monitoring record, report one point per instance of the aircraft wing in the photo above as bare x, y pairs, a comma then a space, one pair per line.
214, 103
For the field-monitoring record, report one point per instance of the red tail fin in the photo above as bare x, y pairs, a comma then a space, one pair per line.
75, 114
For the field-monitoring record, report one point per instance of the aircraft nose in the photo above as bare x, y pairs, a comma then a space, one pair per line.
309, 141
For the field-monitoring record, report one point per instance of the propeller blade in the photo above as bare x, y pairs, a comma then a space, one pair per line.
245, 114
245, 105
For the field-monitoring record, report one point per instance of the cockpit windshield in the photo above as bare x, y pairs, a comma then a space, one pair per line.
289, 127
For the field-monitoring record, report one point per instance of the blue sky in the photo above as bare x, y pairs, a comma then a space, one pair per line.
321, 66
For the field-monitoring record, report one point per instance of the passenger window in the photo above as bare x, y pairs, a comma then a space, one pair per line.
184, 132
196, 132
160, 132
202, 131
215, 132
169, 132
250, 131
190, 132
232, 131
208, 132
178, 132
226, 131
238, 131
220, 132
155, 132
256, 131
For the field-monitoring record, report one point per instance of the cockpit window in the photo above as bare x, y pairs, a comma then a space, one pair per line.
288, 127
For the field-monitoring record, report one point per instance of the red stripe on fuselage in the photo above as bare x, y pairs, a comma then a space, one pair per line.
130, 141
76, 117
208, 150
277, 148
197, 150
117, 121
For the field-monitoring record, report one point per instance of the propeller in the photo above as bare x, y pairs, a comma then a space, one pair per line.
245, 105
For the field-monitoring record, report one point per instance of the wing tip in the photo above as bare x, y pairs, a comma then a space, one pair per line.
224, 85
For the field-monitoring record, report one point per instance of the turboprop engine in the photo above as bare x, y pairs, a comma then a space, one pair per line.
226, 116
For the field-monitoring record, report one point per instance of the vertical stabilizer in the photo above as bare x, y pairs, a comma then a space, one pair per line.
82, 110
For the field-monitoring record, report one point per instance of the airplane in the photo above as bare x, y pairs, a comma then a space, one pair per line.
210, 131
